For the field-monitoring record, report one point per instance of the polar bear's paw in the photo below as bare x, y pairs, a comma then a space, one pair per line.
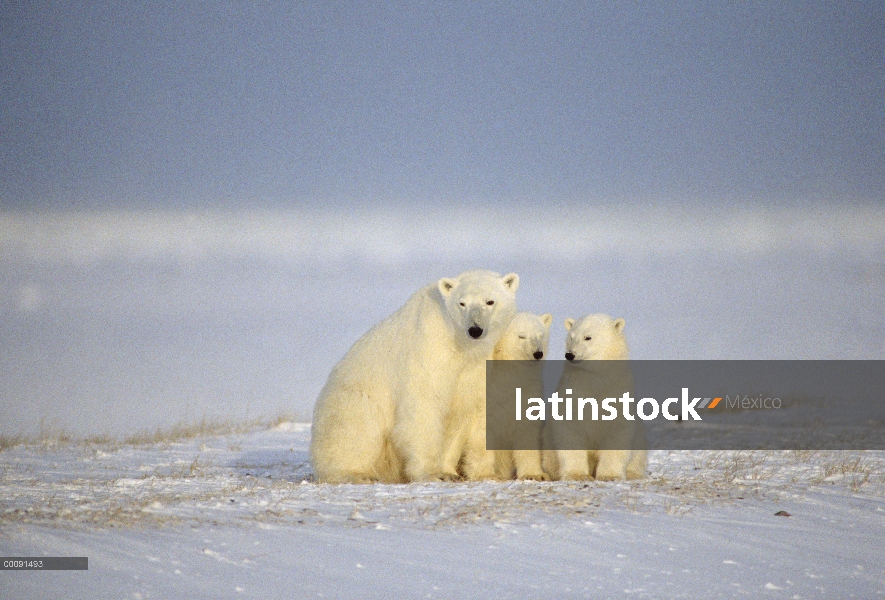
610, 476
534, 477
577, 477
357, 478
434, 477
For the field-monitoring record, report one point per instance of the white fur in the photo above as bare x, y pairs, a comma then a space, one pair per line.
527, 338
606, 338
593, 338
383, 412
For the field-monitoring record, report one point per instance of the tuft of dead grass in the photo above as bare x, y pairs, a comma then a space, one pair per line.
187, 431
853, 468
51, 437
10, 441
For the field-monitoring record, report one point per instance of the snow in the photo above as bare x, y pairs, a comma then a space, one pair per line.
120, 323
238, 514
115, 334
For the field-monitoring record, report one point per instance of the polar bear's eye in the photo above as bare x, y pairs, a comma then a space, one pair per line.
461, 303
522, 336
490, 302
588, 338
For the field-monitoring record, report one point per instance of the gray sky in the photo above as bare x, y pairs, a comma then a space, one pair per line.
200, 104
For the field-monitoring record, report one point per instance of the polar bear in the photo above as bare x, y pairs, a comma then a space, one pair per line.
526, 339
383, 412
616, 449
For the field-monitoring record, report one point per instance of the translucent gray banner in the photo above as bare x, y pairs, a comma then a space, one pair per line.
685, 405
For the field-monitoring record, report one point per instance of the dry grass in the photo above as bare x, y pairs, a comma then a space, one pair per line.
853, 468
159, 483
48, 437
199, 490
51, 437
187, 431
11, 441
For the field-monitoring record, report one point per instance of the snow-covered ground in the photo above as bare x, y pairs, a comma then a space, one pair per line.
237, 515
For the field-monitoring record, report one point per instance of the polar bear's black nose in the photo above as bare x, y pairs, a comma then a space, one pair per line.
475, 332
538, 355
569, 356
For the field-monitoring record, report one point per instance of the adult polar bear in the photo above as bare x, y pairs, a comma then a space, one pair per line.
383, 413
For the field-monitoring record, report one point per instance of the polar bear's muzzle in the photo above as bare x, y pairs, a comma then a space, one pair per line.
475, 332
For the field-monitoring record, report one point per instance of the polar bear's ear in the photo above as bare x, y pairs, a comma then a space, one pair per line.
546, 319
445, 286
568, 324
511, 281
619, 325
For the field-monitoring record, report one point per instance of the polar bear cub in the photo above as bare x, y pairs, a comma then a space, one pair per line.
383, 412
527, 338
616, 449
